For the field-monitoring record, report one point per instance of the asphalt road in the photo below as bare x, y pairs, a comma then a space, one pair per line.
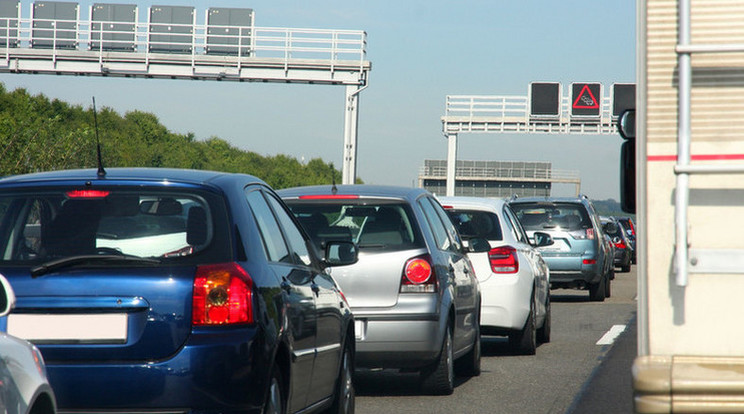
575, 373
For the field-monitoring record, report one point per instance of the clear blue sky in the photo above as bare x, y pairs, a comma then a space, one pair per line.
420, 51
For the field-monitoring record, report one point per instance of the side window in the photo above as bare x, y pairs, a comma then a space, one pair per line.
440, 233
448, 225
276, 249
296, 239
516, 228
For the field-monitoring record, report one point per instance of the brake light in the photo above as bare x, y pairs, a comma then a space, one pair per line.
589, 261
582, 234
503, 259
621, 244
418, 276
87, 193
222, 295
329, 197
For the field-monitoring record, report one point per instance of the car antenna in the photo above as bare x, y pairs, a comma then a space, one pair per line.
334, 189
101, 171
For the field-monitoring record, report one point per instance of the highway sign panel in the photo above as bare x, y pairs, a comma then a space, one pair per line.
586, 100
623, 97
545, 100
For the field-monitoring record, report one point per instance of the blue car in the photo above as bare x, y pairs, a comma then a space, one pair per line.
175, 291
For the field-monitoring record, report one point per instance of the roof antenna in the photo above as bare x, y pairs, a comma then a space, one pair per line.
101, 171
334, 189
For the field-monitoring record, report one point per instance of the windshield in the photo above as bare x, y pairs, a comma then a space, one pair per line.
549, 216
37, 227
379, 225
473, 223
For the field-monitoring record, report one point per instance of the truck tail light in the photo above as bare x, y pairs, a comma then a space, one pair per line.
503, 259
222, 295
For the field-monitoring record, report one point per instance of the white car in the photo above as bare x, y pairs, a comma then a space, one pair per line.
24, 388
513, 277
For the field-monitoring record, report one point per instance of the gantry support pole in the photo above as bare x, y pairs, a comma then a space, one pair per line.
351, 130
451, 163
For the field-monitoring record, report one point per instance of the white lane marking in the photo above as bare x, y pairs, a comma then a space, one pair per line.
609, 337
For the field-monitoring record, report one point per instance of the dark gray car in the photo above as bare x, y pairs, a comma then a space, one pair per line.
580, 257
413, 292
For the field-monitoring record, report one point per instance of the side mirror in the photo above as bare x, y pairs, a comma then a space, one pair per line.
478, 245
340, 253
7, 297
626, 124
610, 227
542, 239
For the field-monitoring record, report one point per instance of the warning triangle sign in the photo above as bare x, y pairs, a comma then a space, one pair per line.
586, 99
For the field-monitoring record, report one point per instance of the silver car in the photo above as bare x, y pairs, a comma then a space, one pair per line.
413, 292
24, 388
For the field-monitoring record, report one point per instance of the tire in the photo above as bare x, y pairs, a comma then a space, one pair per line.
626, 269
343, 400
525, 340
440, 378
543, 333
597, 290
469, 365
276, 400
608, 287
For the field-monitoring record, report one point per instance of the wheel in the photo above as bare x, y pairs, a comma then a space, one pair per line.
275, 399
469, 365
543, 333
597, 290
343, 401
626, 268
440, 379
525, 340
608, 286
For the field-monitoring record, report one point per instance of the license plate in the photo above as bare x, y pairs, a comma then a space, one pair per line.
359, 328
77, 328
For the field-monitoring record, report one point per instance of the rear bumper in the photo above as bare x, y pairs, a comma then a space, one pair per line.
212, 372
400, 341
505, 302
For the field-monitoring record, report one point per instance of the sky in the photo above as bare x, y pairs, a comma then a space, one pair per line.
420, 51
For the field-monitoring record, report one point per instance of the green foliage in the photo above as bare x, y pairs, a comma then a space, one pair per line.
37, 134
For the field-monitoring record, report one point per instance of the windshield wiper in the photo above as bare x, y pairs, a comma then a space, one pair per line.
88, 259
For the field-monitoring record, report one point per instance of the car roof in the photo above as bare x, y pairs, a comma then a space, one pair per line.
473, 202
579, 199
133, 174
363, 190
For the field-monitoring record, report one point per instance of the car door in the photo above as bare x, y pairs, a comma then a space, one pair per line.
297, 285
459, 267
328, 317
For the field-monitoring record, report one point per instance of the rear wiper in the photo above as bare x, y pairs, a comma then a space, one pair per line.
89, 258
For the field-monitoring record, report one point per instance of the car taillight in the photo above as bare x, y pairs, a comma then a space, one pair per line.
222, 295
503, 259
582, 234
621, 245
87, 194
418, 276
589, 261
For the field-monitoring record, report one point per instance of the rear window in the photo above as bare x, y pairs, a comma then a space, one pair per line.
41, 226
376, 225
473, 223
549, 216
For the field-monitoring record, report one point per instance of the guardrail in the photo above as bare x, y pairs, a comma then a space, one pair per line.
59, 38
502, 172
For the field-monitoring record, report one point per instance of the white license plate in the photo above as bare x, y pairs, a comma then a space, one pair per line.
359, 328
100, 328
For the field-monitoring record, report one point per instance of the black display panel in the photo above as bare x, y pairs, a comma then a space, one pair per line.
545, 99
623, 98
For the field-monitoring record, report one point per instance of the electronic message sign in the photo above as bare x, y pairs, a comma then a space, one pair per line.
586, 100
545, 99
623, 97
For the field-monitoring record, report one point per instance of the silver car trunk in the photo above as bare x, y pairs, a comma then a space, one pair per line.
374, 281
